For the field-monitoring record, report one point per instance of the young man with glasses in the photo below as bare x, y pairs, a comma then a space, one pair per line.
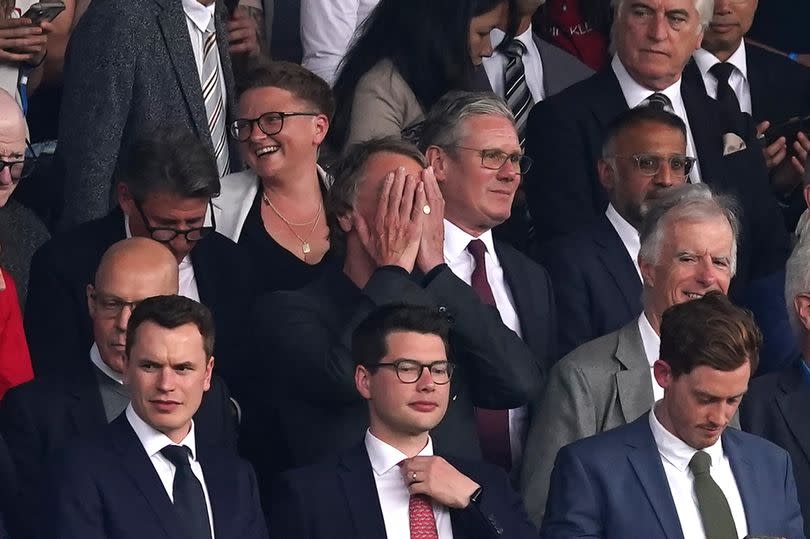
394, 484
165, 186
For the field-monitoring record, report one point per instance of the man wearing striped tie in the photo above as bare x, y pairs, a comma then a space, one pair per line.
391, 485
133, 66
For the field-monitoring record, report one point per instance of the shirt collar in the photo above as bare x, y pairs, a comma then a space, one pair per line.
95, 358
152, 440
384, 457
676, 451
199, 14
456, 241
626, 231
649, 338
634, 93
706, 60
496, 37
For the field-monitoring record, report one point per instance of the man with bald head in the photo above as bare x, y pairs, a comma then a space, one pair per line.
39, 417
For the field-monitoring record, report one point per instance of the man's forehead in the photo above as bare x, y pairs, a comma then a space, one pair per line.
665, 5
489, 131
380, 164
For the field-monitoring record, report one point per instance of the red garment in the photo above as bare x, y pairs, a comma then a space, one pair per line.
564, 25
15, 362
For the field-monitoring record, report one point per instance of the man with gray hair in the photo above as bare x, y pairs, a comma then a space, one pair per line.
688, 248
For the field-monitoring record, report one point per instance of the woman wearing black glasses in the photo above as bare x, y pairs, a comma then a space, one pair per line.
275, 208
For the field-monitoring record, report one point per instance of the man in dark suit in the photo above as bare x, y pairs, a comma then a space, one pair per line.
152, 472
678, 472
165, 187
391, 258
394, 484
133, 66
772, 88
776, 405
40, 417
595, 273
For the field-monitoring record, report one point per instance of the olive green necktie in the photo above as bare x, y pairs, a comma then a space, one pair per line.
714, 510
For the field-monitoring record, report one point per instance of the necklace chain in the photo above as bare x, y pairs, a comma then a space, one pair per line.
305, 246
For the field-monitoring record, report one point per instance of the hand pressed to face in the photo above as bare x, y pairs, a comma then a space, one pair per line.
439, 480
431, 248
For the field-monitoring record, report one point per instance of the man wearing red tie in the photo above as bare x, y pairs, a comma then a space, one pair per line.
392, 485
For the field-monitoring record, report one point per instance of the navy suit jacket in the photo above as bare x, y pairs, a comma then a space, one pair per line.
57, 322
107, 488
613, 486
776, 408
596, 286
337, 499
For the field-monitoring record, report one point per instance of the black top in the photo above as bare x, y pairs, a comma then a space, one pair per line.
276, 267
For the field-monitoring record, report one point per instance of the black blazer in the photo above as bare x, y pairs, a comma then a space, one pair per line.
338, 498
129, 69
566, 133
107, 488
596, 286
776, 408
312, 369
40, 418
58, 324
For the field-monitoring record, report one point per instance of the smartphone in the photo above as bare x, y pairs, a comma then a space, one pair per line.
44, 12
790, 129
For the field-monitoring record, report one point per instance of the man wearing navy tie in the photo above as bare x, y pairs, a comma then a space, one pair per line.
147, 474
677, 472
391, 485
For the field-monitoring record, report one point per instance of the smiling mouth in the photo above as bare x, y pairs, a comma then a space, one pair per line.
266, 150
693, 295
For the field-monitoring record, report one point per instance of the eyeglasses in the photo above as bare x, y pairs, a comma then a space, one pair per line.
270, 123
493, 159
110, 306
650, 164
166, 234
21, 168
410, 371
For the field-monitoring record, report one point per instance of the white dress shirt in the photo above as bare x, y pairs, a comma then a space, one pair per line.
95, 359
652, 344
634, 94
327, 29
393, 492
187, 281
10, 72
627, 233
675, 456
198, 17
153, 441
462, 264
738, 80
532, 65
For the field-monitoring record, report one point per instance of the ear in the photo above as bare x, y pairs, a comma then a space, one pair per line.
91, 304
362, 381
647, 272
807, 194
321, 128
662, 373
435, 159
699, 37
124, 198
607, 176
209, 370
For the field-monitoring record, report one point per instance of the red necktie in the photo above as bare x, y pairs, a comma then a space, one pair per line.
493, 425
420, 518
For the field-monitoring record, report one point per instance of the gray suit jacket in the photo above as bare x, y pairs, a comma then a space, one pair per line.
602, 384
129, 69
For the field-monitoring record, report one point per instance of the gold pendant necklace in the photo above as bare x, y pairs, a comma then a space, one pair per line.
305, 246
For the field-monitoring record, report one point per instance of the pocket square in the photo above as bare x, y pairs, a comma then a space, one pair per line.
732, 143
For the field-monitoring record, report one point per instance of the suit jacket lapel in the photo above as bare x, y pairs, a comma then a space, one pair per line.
202, 260
136, 464
793, 401
759, 73
646, 462
746, 477
608, 100
220, 490
617, 262
357, 479
515, 275
172, 21
709, 149
635, 383
87, 410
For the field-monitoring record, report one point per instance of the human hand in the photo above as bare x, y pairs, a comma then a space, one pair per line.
439, 480
23, 43
243, 33
431, 248
775, 152
394, 236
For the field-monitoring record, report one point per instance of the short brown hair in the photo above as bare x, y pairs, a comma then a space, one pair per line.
171, 312
297, 80
709, 331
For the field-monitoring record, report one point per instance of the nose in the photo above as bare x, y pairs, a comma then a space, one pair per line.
722, 7
255, 132
721, 413
5, 176
658, 29
509, 171
165, 380
664, 177
486, 47
706, 271
425, 381
122, 319
180, 246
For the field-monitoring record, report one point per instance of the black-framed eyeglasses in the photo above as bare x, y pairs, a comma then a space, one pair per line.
21, 168
409, 371
650, 164
270, 123
167, 234
494, 159
111, 306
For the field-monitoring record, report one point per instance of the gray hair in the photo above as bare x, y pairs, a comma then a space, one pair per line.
705, 9
797, 280
442, 125
690, 202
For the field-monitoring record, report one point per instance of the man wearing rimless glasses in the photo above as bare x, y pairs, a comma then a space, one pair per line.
165, 186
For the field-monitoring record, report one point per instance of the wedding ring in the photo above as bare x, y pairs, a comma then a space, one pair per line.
426, 209
413, 474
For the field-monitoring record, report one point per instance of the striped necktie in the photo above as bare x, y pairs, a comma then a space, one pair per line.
212, 95
516, 91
